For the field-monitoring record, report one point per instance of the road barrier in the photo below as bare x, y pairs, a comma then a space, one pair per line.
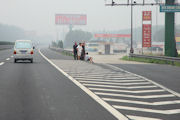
164, 58
66, 52
3, 47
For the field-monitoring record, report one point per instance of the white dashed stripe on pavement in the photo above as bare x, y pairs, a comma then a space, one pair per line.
8, 59
1, 63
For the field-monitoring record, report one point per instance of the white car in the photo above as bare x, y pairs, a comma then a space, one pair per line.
23, 50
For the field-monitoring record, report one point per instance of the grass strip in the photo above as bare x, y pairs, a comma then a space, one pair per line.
148, 60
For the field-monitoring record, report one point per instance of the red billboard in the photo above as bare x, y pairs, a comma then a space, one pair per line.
112, 35
70, 19
146, 35
147, 16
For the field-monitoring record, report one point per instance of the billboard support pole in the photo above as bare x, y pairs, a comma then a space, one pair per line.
131, 50
170, 45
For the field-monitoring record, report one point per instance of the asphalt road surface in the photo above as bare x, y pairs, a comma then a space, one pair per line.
82, 91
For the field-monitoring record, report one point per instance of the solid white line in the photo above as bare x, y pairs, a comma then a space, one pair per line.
119, 81
108, 107
141, 118
125, 87
168, 112
1, 63
155, 83
143, 103
135, 96
127, 91
113, 83
8, 59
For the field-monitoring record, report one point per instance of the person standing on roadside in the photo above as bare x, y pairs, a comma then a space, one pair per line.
83, 51
75, 50
79, 50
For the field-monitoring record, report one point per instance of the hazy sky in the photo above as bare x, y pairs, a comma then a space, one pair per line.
39, 15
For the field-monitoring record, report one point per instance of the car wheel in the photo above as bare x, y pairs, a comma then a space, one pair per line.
15, 60
31, 60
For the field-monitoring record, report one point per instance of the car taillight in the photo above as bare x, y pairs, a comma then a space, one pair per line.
31, 52
14, 52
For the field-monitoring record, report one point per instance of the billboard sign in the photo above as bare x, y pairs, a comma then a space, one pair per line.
169, 8
112, 35
146, 35
147, 15
70, 19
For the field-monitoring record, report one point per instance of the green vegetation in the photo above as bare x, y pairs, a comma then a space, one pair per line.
6, 43
58, 44
76, 36
67, 53
147, 60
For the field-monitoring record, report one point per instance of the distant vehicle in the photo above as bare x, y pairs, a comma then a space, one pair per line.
92, 47
23, 50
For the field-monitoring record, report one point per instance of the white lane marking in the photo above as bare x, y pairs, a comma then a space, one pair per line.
155, 83
113, 83
119, 81
8, 59
168, 112
135, 96
12, 56
141, 118
122, 79
106, 75
142, 103
128, 91
125, 87
1, 63
108, 107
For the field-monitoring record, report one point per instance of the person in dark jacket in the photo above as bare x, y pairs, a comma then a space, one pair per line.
75, 50
83, 51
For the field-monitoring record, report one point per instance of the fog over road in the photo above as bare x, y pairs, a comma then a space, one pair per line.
39, 91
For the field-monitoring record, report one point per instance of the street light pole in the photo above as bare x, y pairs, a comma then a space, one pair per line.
131, 49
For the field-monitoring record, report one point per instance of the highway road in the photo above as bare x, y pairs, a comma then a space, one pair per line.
55, 87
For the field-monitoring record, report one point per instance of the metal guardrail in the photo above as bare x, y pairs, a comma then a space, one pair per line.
2, 47
67, 52
164, 58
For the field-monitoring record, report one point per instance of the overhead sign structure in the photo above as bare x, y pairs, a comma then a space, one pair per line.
112, 35
70, 19
169, 8
146, 28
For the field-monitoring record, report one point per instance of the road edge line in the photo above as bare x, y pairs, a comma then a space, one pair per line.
159, 85
104, 104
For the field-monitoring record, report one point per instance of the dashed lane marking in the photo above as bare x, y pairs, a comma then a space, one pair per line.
8, 59
1, 63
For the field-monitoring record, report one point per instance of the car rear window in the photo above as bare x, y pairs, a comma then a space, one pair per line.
23, 45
